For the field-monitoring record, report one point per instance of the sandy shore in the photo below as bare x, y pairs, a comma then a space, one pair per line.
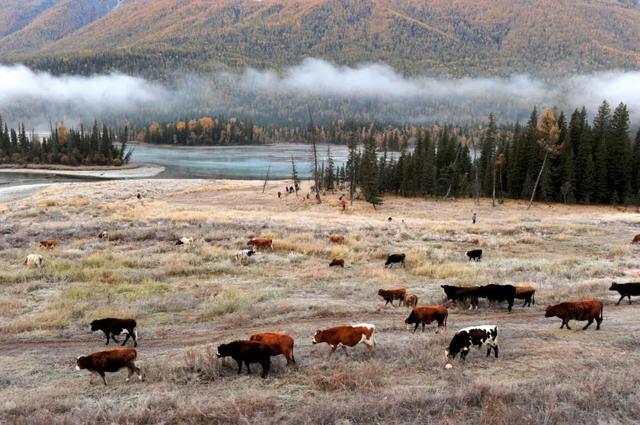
140, 172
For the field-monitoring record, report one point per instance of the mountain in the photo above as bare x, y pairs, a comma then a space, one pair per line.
440, 37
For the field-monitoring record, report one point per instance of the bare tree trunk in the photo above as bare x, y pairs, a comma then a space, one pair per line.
535, 187
266, 178
453, 165
315, 156
493, 193
501, 188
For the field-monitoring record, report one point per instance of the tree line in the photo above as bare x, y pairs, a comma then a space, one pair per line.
67, 146
550, 158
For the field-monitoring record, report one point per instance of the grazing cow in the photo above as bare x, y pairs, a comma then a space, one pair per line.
247, 352
425, 315
473, 335
184, 241
626, 290
110, 361
48, 243
389, 295
346, 336
410, 300
242, 256
336, 238
33, 260
462, 293
636, 239
279, 343
498, 293
261, 243
395, 258
526, 293
474, 254
104, 234
338, 262
112, 327
577, 310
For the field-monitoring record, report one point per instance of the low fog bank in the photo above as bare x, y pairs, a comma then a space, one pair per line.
366, 92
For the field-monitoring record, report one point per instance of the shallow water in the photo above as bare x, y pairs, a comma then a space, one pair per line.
237, 162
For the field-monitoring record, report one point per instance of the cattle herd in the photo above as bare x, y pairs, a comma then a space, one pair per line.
259, 348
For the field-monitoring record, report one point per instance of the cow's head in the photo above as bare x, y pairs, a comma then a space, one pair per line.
223, 350
614, 286
550, 312
94, 325
81, 362
316, 339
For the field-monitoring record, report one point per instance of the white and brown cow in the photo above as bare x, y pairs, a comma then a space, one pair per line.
347, 336
33, 260
473, 335
110, 361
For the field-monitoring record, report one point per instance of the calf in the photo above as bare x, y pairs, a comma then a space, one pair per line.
473, 335
389, 295
48, 243
346, 336
426, 315
242, 256
33, 260
394, 259
626, 290
498, 293
110, 361
410, 300
247, 352
474, 254
112, 327
589, 310
462, 293
184, 241
279, 343
526, 293
636, 239
336, 238
337, 262
261, 243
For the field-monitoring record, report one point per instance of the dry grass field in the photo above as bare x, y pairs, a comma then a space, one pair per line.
188, 299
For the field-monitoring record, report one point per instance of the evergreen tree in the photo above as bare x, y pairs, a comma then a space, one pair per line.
369, 170
294, 176
618, 156
330, 177
600, 135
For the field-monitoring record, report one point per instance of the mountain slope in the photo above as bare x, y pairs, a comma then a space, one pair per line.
455, 37
16, 14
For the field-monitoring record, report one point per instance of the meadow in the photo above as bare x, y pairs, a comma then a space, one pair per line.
188, 299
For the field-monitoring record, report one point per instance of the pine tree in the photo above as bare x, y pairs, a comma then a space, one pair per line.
486, 162
601, 135
294, 176
330, 175
618, 156
548, 141
635, 170
370, 188
352, 164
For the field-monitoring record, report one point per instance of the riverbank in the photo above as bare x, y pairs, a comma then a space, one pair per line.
133, 171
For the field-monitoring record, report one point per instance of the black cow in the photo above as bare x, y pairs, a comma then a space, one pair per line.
473, 335
247, 352
626, 290
498, 293
474, 254
395, 258
112, 327
462, 293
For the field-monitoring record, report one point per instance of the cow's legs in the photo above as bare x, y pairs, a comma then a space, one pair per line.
239, 366
495, 349
344, 349
489, 351
133, 335
588, 324
422, 326
416, 327
133, 369
621, 298
126, 339
113, 337
248, 368
107, 335
598, 321
567, 325
102, 376
629, 296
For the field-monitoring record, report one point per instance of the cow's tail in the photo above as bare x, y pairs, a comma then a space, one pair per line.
601, 312
445, 318
135, 332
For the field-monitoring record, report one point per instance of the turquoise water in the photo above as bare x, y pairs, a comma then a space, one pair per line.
238, 162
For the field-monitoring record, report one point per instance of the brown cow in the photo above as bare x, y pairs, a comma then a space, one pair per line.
261, 243
339, 262
636, 239
347, 336
48, 243
426, 315
279, 343
389, 295
110, 361
336, 238
410, 300
577, 310
526, 293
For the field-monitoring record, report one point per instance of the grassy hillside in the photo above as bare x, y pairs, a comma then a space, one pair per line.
16, 14
459, 37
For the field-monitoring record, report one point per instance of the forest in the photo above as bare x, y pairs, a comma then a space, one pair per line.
65, 146
552, 157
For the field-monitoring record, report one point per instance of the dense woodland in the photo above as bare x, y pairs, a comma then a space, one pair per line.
565, 159
65, 146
